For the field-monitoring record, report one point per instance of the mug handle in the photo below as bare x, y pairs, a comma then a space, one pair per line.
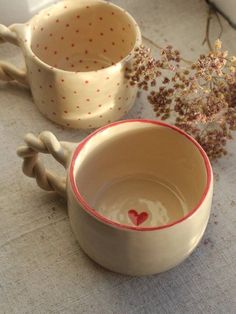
32, 167
9, 72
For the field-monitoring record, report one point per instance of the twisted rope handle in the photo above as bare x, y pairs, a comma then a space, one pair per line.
32, 167
6, 35
9, 72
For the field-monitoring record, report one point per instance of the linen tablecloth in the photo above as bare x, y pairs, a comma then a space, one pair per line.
43, 269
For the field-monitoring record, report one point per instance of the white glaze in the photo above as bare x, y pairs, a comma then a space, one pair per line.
119, 151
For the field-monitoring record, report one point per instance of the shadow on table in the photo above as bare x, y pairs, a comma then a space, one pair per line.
15, 88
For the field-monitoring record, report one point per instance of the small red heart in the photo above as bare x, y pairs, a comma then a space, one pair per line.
137, 218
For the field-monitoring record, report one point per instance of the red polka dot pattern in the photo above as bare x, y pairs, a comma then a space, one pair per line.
82, 96
113, 31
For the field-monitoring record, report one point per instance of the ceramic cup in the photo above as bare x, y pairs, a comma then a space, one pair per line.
76, 53
139, 192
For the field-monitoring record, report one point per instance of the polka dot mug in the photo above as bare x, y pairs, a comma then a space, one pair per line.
76, 53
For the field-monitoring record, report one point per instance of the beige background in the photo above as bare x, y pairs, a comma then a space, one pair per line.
43, 270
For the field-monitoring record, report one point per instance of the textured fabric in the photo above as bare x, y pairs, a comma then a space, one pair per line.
43, 269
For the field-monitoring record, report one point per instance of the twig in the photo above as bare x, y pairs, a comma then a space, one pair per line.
151, 42
212, 11
208, 24
221, 26
221, 13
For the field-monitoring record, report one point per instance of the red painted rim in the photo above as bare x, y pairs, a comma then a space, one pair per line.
105, 220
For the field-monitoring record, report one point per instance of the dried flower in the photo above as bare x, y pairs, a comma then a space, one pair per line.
201, 97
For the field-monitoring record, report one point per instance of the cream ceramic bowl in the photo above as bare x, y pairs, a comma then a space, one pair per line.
76, 53
139, 192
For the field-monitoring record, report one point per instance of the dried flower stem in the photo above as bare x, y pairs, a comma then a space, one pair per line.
207, 37
212, 11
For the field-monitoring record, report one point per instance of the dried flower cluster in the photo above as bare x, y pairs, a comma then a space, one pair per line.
199, 96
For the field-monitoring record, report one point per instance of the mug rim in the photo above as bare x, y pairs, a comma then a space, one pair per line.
122, 61
112, 223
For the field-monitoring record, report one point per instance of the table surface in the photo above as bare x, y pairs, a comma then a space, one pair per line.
43, 269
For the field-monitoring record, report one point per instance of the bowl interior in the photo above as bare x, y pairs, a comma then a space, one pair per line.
141, 174
83, 35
